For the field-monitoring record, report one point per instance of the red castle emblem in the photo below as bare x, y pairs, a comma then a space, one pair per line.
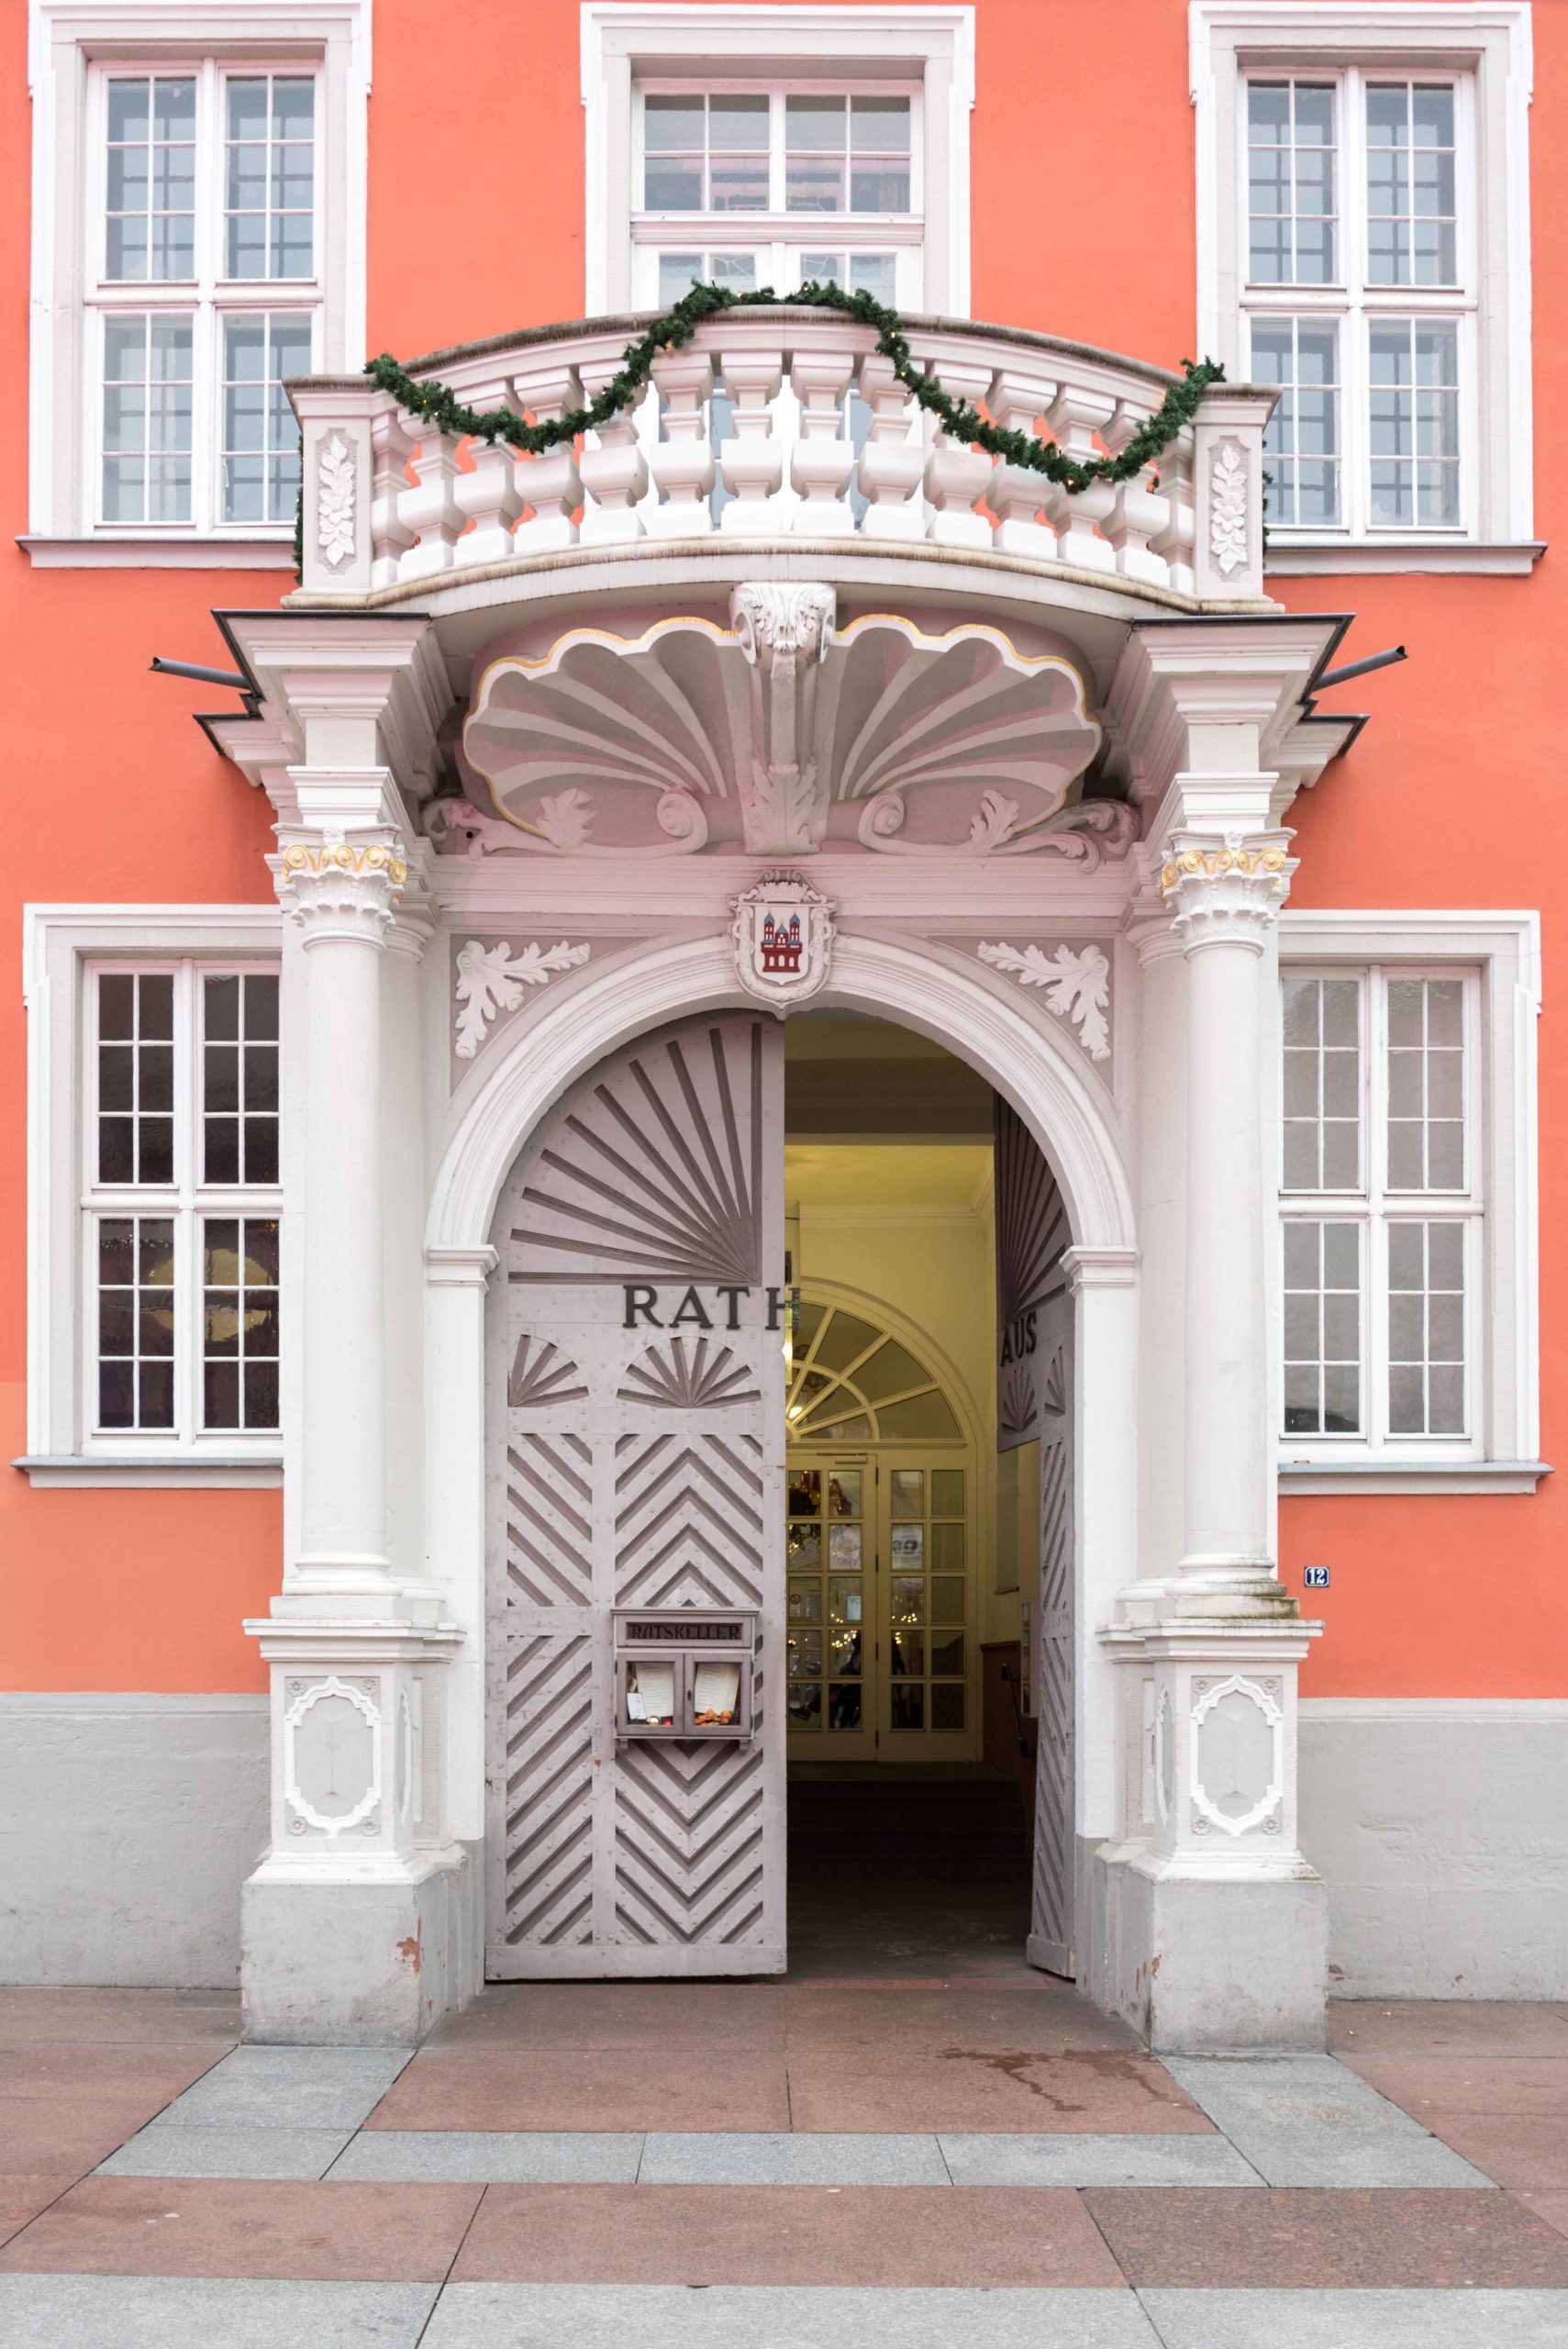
780, 945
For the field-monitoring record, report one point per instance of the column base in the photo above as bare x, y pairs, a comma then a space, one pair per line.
1205, 1964
366, 1963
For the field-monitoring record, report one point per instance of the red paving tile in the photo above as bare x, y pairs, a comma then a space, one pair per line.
1445, 2027
1237, 2238
136, 2015
21, 2199
1519, 2150
903, 2235
632, 2015
39, 2137
56, 2068
1552, 2207
989, 2089
476, 2087
220, 2226
832, 2019
1468, 2082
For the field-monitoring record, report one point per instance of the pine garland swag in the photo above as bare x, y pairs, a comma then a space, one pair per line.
436, 404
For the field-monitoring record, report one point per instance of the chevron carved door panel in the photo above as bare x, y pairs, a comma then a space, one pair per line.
1034, 1401
637, 1448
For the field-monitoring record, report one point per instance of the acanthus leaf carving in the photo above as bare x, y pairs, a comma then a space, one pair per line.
1076, 982
335, 502
491, 980
1227, 508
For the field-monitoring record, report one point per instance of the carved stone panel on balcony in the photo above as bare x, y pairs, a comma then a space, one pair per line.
779, 733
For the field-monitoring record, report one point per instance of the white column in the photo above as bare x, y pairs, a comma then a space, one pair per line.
456, 1280
1224, 898
343, 895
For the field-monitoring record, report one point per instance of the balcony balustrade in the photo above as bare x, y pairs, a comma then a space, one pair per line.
779, 425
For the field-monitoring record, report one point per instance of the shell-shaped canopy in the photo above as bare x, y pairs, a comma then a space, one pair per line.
651, 744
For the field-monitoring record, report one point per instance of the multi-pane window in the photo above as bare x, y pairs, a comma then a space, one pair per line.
1382, 1207
181, 1253
203, 294
1359, 298
731, 184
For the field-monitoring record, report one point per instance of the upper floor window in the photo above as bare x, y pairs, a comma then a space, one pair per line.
179, 1237
203, 296
753, 187
768, 146
1363, 245
1361, 299
199, 238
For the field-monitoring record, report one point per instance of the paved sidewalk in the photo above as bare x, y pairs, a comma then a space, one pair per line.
805, 2161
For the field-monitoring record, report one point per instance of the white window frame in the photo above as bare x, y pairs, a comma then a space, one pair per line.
62, 947
1485, 46
928, 51
1500, 1202
771, 234
73, 44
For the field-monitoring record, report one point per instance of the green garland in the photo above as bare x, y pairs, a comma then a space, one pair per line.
436, 404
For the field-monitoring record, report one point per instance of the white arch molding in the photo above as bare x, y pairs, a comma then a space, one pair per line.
1031, 1068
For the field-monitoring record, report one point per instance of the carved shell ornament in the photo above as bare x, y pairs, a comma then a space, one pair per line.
782, 735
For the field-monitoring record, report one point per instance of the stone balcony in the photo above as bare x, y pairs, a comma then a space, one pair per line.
778, 443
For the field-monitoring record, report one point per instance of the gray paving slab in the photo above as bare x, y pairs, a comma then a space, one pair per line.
1305, 2120
738, 2158
289, 2088
166, 2149
195, 2312
491, 2157
1095, 2161
1335, 2319
671, 2316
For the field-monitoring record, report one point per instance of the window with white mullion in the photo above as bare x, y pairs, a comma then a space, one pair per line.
1382, 1210
180, 1239
1360, 299
207, 288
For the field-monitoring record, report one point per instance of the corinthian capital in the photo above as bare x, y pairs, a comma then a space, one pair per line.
335, 887
1227, 891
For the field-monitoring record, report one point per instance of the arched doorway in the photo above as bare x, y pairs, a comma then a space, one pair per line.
525, 1088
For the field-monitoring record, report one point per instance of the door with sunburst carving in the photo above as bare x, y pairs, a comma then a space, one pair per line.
636, 1397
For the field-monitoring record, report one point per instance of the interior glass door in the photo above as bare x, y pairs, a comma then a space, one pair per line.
879, 1609
830, 1561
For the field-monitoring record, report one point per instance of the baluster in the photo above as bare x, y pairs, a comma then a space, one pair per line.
823, 458
615, 475
1017, 495
488, 495
681, 462
391, 537
1138, 510
1174, 539
752, 462
893, 462
428, 511
1075, 415
956, 474
550, 483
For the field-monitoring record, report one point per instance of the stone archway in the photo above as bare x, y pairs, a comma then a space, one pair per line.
493, 1122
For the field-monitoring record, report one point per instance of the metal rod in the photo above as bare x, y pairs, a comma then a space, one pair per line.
203, 677
1360, 668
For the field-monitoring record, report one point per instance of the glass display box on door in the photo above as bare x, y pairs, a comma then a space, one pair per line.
684, 1672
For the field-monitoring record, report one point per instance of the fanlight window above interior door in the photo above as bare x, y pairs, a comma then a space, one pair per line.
851, 1381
